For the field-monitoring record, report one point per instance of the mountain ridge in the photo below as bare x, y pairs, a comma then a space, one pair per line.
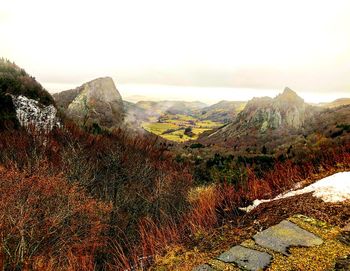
274, 122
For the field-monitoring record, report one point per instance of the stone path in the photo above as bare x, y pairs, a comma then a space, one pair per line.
246, 258
284, 235
298, 243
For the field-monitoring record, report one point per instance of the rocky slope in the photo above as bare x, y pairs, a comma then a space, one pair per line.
336, 103
286, 110
97, 101
23, 101
270, 121
223, 111
32, 114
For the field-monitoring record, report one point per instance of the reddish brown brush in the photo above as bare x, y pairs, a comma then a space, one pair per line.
47, 222
76, 195
211, 203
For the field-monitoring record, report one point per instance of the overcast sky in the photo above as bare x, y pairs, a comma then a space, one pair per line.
202, 50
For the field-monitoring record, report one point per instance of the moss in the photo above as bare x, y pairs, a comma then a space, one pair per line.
179, 258
316, 258
218, 265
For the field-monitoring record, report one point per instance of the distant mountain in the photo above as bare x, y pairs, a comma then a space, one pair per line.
286, 110
170, 107
97, 101
276, 123
338, 102
134, 115
137, 98
23, 101
223, 111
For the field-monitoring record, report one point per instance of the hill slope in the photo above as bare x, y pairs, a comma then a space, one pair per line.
223, 111
15, 81
277, 123
336, 103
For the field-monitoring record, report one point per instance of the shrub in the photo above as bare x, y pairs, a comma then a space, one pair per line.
196, 146
136, 177
44, 220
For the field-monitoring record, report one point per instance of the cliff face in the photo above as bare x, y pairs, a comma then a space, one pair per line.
265, 121
286, 110
97, 101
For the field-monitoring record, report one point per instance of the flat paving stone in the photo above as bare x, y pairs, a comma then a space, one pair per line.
284, 235
203, 267
246, 258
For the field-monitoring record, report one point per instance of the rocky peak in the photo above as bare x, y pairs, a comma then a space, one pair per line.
289, 92
287, 109
103, 89
97, 101
289, 96
258, 102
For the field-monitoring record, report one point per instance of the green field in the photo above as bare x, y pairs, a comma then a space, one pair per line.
172, 127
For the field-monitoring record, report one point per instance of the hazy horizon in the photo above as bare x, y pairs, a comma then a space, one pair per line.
208, 95
187, 50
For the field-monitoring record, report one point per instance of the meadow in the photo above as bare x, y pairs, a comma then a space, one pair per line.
179, 128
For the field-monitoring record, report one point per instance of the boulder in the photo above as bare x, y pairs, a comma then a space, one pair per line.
32, 114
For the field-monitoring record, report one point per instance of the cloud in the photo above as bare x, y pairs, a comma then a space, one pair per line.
254, 43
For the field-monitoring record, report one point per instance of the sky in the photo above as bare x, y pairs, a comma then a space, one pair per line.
183, 49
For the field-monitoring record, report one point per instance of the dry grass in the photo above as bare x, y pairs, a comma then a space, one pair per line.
157, 214
213, 224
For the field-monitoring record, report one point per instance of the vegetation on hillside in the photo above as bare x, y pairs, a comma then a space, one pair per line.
223, 111
84, 198
124, 180
15, 81
117, 202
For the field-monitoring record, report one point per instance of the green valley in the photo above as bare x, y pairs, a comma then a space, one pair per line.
178, 127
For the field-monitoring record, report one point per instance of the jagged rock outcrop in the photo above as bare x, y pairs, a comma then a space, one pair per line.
32, 114
287, 109
269, 122
97, 101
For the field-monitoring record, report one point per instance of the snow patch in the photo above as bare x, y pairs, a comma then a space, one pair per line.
32, 113
334, 188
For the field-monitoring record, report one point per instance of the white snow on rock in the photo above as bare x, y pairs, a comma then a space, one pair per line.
32, 113
334, 188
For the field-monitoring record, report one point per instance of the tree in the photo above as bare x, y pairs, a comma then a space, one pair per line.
188, 131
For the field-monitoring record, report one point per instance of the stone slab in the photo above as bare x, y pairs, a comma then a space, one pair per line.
284, 235
203, 267
246, 258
